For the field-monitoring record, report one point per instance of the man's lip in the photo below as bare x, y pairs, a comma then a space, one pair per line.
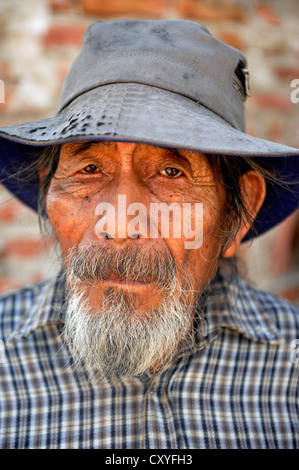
132, 286
114, 279
128, 283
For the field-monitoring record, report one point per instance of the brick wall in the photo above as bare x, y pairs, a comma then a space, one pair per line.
39, 40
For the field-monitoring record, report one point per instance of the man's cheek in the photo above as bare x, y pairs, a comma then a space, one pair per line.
201, 263
66, 220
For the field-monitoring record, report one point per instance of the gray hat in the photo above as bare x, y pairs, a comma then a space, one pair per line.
168, 83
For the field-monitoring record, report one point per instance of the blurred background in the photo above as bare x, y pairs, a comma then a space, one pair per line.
39, 39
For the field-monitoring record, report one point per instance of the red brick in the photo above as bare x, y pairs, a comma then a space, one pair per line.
7, 211
7, 285
8, 93
275, 130
291, 294
24, 248
214, 11
273, 101
5, 70
286, 72
267, 14
121, 7
63, 5
64, 35
232, 39
249, 125
62, 72
36, 278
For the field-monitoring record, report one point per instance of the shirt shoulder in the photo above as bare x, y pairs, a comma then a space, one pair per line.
258, 315
23, 310
281, 313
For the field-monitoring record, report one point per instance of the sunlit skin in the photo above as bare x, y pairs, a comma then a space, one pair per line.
91, 173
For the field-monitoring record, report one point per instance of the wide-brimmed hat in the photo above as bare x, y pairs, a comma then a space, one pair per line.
167, 83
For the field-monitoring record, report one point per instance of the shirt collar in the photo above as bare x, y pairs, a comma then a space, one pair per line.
232, 303
46, 304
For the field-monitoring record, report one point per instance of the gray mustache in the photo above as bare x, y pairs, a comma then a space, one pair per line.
131, 264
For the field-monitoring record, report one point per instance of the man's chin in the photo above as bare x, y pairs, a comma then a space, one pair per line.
139, 298
118, 335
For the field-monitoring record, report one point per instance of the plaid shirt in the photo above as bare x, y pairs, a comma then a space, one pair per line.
238, 388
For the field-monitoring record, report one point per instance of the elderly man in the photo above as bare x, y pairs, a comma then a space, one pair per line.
146, 338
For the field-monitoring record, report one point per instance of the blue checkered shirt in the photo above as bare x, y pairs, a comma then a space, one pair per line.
238, 388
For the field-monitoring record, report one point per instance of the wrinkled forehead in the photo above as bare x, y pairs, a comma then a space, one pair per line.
72, 149
78, 146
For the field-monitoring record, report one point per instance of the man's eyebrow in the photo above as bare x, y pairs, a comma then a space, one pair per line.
179, 154
81, 147
173, 150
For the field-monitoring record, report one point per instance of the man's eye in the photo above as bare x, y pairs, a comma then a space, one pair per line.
171, 172
90, 169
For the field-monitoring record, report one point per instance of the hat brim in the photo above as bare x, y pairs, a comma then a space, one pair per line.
141, 113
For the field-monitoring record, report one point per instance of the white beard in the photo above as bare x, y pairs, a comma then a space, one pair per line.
117, 341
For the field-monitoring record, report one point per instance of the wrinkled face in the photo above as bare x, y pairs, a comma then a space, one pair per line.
90, 174
116, 261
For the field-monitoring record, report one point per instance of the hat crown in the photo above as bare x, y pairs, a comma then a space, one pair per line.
179, 56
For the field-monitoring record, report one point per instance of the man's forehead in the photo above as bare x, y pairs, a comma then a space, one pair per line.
75, 148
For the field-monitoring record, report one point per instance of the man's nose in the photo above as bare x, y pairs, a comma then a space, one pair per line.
123, 216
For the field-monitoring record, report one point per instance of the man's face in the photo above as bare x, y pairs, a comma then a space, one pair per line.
92, 173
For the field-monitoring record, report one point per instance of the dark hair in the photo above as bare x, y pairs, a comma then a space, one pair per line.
227, 169
37, 170
47, 163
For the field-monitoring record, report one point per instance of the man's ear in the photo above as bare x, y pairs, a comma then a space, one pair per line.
253, 190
